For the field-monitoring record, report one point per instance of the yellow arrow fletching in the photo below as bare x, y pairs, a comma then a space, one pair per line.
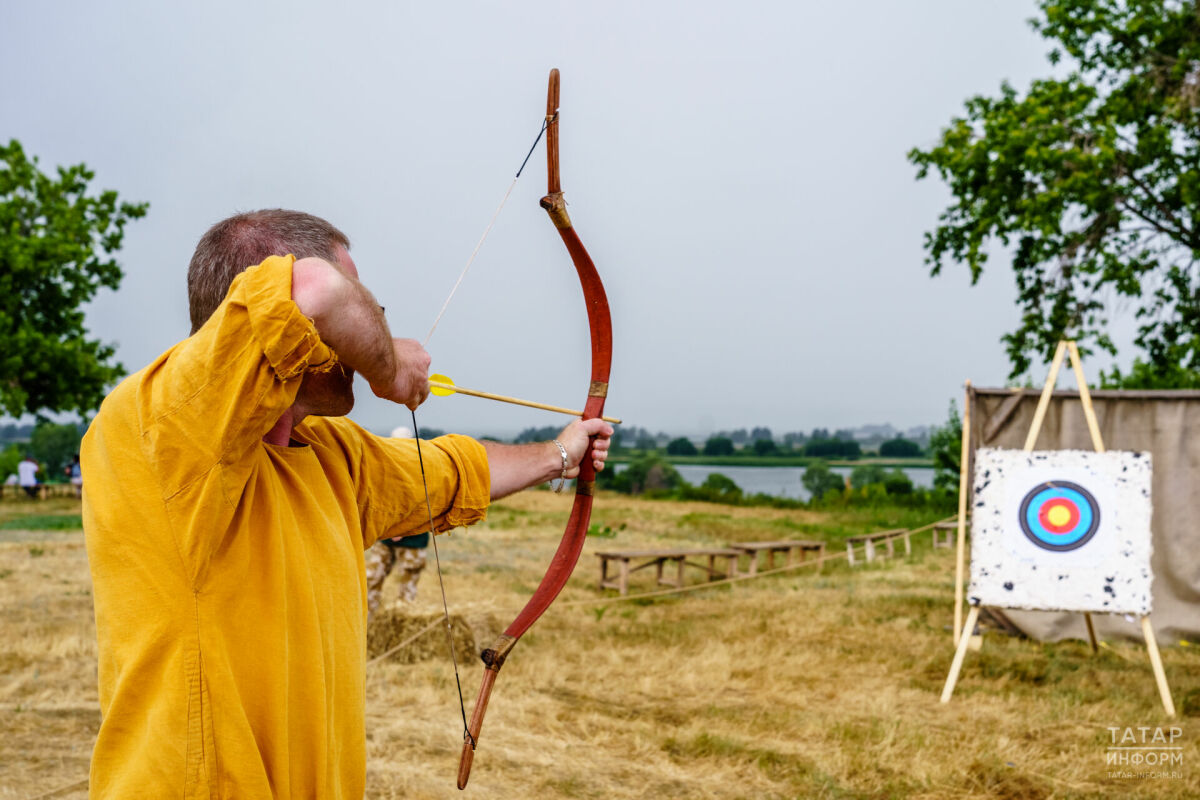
446, 387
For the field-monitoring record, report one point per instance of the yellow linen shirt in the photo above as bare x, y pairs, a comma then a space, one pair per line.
228, 573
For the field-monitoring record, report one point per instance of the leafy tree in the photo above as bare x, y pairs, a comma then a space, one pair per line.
1143, 375
832, 448
720, 483
819, 479
647, 443
866, 475
718, 446
945, 447
1093, 178
762, 432
899, 448
721, 488
740, 436
819, 433
57, 244
9, 458
896, 482
765, 447
53, 445
681, 447
794, 438
648, 474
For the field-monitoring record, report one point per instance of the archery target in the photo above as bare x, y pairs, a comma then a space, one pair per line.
1059, 516
1062, 530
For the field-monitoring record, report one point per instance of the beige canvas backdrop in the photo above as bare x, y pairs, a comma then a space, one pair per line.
1163, 423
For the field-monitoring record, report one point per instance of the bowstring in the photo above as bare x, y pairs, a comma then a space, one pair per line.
462, 706
486, 231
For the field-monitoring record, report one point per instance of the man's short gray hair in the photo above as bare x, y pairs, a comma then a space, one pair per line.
243, 240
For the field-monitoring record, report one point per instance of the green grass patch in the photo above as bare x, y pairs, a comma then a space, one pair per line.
44, 522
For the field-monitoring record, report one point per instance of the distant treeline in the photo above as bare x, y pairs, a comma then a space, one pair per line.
50, 444
868, 485
821, 445
813, 448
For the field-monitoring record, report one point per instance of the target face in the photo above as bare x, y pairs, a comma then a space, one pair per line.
1059, 516
1061, 530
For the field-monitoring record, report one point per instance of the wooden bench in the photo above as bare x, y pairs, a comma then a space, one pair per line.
944, 534
789, 549
659, 559
871, 540
44, 490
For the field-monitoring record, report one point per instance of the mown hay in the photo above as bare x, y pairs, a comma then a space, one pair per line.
393, 626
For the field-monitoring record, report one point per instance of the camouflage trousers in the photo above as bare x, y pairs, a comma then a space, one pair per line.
381, 561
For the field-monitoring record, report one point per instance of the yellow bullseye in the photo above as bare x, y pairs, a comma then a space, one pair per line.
1058, 515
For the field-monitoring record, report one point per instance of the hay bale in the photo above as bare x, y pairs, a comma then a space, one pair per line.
392, 626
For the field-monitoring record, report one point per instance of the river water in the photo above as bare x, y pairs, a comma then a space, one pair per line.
781, 481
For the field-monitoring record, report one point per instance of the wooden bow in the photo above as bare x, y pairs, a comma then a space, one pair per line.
567, 555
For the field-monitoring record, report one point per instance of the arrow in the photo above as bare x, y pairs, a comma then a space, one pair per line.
443, 386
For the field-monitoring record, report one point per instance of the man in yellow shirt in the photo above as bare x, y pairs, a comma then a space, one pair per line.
228, 506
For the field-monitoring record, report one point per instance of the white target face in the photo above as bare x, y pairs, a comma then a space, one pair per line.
1061, 530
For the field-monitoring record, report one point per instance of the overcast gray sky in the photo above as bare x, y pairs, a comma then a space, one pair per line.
737, 171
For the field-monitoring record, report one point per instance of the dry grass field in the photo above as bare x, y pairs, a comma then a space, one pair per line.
809, 684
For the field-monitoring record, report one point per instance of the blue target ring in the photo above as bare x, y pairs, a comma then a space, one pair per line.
1059, 516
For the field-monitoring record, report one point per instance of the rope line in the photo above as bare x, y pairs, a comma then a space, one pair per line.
735, 579
405, 643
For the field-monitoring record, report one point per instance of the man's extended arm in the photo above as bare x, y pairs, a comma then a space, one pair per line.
515, 467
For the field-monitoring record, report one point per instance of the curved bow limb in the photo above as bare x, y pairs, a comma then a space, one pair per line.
571, 545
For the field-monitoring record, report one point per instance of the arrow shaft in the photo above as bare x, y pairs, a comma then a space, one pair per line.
514, 400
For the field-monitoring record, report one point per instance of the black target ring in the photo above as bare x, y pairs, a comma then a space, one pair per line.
1059, 516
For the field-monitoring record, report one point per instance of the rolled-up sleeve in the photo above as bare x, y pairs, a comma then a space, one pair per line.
287, 339
212, 397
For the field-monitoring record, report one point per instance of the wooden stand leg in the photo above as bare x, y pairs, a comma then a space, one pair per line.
907, 544
624, 576
679, 573
850, 553
1087, 617
960, 558
1160, 677
870, 547
959, 654
1039, 414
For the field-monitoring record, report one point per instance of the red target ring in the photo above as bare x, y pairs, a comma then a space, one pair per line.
1059, 515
